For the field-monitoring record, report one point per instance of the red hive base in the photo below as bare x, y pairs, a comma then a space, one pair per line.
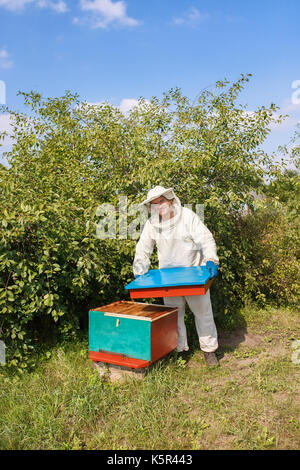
118, 359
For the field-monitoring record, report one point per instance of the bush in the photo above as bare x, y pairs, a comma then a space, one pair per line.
273, 237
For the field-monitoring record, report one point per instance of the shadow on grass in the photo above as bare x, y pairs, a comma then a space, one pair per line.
232, 330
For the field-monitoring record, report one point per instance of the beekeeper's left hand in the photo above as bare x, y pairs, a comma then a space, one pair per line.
212, 267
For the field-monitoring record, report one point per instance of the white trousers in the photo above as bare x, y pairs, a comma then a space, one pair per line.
201, 307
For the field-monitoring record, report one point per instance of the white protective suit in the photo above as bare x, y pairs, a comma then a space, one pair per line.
182, 240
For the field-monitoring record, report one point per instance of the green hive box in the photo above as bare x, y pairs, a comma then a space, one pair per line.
127, 330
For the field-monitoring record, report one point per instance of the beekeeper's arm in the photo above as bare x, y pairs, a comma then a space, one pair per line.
204, 240
143, 251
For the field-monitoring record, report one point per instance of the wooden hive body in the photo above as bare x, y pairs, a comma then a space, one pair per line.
131, 334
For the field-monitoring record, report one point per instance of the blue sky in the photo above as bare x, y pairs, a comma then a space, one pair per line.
121, 50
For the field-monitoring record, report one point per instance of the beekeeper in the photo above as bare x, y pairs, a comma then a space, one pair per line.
182, 240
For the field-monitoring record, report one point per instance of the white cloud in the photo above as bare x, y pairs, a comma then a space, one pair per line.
127, 104
59, 6
293, 111
289, 107
5, 126
5, 61
7, 143
286, 124
5, 123
101, 13
191, 17
14, 5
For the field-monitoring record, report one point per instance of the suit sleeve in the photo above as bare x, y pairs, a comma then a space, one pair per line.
143, 251
204, 240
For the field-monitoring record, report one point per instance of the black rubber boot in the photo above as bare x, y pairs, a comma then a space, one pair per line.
184, 355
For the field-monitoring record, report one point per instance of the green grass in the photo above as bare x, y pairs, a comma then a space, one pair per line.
250, 402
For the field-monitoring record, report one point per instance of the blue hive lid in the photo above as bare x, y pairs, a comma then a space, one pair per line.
166, 277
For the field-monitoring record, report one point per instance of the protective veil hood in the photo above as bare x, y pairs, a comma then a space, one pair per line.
176, 206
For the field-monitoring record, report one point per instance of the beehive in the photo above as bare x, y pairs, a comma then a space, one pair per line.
131, 334
171, 282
